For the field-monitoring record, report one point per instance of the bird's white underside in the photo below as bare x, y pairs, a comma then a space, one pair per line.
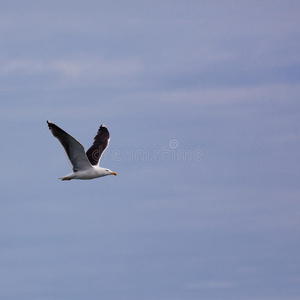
90, 173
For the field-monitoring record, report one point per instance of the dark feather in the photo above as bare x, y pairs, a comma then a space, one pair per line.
101, 141
73, 148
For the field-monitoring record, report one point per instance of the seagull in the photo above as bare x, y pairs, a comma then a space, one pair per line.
85, 165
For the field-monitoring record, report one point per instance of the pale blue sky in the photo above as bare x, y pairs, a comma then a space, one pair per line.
219, 81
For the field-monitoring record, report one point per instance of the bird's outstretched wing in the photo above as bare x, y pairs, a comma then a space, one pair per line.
101, 141
74, 149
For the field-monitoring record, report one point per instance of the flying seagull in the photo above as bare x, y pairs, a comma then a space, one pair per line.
85, 165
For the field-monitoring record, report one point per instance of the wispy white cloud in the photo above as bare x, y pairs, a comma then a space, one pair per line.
274, 93
72, 68
38, 67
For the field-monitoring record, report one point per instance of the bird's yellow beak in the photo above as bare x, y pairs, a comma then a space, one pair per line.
113, 173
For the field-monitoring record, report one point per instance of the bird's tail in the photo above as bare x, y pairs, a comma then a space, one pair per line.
67, 177
64, 178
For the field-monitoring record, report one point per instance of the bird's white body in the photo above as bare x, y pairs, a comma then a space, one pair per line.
91, 173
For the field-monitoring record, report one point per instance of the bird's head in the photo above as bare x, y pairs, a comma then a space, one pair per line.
109, 172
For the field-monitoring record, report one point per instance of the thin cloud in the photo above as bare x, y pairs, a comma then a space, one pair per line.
73, 68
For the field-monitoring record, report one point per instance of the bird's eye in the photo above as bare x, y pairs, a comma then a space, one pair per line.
107, 170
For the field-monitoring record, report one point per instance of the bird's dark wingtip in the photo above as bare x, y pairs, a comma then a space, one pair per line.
50, 124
